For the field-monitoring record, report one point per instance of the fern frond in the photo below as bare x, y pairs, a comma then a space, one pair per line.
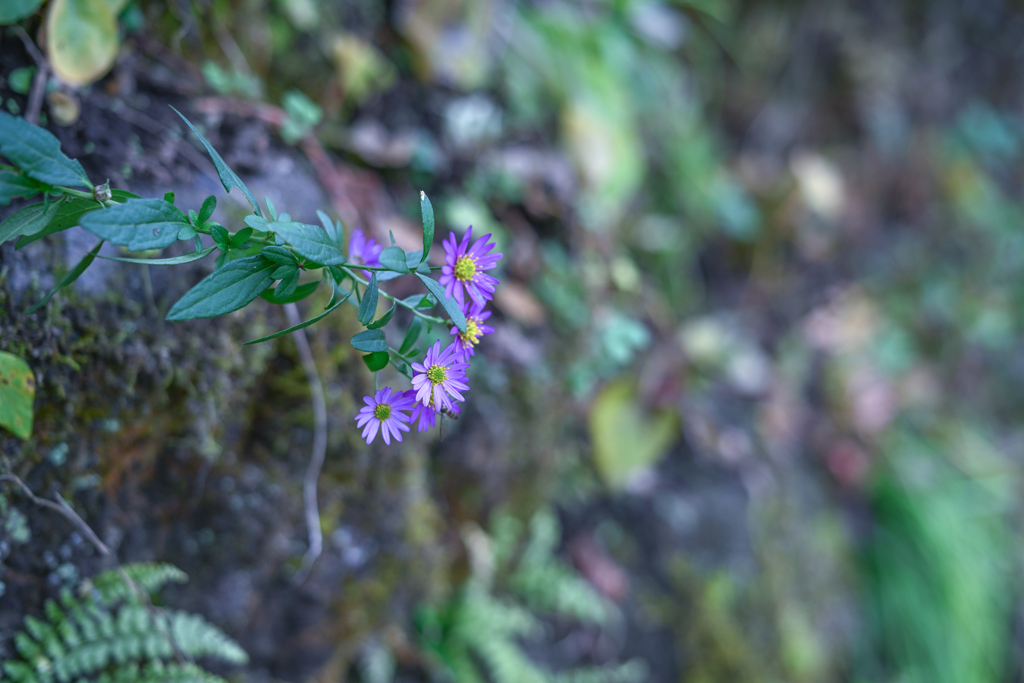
199, 638
150, 576
107, 632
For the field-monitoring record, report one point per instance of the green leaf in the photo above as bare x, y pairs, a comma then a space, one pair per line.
383, 320
370, 341
14, 185
241, 237
207, 209
82, 39
227, 176
270, 208
300, 293
173, 261
333, 228
282, 272
169, 196
368, 306
279, 255
427, 211
137, 224
626, 436
69, 215
302, 324
12, 11
28, 220
68, 279
37, 153
17, 395
376, 361
310, 241
287, 286
411, 335
449, 304
187, 232
220, 235
393, 258
226, 289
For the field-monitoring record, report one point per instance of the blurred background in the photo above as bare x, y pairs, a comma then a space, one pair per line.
748, 412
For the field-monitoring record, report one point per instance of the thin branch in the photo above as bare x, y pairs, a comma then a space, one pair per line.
316, 460
35, 96
69, 513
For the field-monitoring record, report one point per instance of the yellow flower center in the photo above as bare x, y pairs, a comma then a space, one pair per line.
465, 268
472, 334
382, 411
436, 374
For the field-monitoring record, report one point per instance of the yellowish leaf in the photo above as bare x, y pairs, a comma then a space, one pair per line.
81, 39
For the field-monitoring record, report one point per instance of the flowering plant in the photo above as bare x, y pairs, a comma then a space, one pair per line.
267, 258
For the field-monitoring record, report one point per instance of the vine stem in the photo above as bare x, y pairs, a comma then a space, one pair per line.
316, 460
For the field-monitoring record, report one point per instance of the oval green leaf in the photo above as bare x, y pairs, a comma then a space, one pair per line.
310, 241
17, 395
376, 361
226, 289
370, 341
37, 153
137, 224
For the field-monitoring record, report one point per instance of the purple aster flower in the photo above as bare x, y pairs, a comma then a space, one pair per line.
440, 377
384, 412
363, 251
426, 414
464, 267
475, 328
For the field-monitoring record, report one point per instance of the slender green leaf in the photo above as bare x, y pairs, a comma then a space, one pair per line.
207, 209
368, 306
173, 261
14, 185
333, 228
282, 272
68, 279
17, 395
227, 177
69, 215
287, 286
300, 293
28, 220
370, 341
310, 241
427, 211
37, 153
137, 224
383, 320
449, 304
302, 324
377, 361
411, 335
393, 258
226, 289
187, 232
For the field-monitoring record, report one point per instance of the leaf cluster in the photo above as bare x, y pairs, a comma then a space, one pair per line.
109, 632
269, 258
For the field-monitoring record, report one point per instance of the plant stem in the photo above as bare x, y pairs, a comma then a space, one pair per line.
428, 318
